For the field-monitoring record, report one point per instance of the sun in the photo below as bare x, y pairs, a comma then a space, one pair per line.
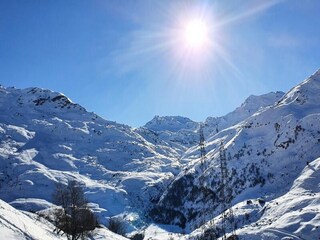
196, 34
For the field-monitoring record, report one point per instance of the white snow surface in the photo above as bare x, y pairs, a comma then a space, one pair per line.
19, 225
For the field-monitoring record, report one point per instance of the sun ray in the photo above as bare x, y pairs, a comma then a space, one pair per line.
253, 11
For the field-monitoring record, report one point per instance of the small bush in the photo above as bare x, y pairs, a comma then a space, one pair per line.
117, 225
138, 236
261, 201
210, 234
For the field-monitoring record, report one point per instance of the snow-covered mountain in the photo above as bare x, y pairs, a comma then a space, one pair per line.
45, 139
266, 153
251, 105
181, 133
154, 173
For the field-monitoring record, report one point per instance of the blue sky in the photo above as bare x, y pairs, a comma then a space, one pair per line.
122, 60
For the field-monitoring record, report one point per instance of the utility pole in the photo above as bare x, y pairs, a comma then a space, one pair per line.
226, 196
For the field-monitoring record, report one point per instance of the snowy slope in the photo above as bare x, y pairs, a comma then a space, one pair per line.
266, 153
294, 215
15, 224
45, 139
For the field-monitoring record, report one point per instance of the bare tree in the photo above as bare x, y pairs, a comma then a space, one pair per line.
73, 217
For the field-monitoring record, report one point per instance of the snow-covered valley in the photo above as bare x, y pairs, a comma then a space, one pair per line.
153, 177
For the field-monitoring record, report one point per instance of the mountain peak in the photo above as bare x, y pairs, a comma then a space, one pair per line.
305, 92
316, 74
170, 123
40, 96
37, 99
250, 106
257, 101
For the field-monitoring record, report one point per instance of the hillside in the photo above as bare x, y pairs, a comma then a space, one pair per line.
45, 139
266, 153
16, 224
154, 174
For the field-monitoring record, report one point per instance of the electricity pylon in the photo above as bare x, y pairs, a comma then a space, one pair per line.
228, 221
201, 144
210, 233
